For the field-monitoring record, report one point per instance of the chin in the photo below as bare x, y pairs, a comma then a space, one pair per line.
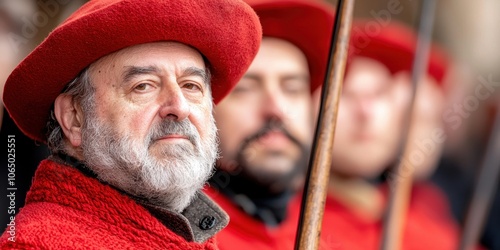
274, 166
367, 169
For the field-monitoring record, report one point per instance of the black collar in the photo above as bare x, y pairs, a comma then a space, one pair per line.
255, 200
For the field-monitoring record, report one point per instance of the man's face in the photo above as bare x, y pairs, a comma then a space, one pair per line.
266, 123
150, 130
369, 120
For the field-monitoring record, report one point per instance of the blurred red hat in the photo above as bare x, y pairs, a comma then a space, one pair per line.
226, 32
308, 24
393, 44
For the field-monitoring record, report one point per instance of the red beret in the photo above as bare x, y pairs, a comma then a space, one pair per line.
308, 24
393, 44
226, 32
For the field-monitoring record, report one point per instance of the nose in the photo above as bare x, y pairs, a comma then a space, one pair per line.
273, 106
364, 110
174, 105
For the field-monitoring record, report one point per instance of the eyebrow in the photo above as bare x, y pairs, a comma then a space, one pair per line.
195, 71
254, 77
300, 77
134, 71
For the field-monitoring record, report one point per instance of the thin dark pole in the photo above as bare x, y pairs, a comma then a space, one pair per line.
484, 190
313, 200
399, 196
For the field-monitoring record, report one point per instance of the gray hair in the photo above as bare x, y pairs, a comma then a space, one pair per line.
82, 92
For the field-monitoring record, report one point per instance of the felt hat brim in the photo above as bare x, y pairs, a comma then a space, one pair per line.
394, 45
307, 24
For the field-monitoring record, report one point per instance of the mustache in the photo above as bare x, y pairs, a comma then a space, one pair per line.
271, 126
266, 180
170, 127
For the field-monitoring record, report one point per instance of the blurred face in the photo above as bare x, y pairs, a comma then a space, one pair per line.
369, 120
8, 58
265, 123
149, 129
424, 149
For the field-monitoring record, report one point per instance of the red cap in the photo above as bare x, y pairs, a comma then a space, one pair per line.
393, 44
226, 32
308, 24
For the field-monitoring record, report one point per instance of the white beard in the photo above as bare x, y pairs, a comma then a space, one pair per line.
171, 181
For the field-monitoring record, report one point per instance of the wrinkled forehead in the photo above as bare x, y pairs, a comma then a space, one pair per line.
154, 58
167, 52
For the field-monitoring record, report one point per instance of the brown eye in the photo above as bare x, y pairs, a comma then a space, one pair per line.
192, 86
141, 87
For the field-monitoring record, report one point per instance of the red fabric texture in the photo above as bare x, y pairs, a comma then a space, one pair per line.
429, 224
246, 233
308, 24
68, 210
394, 45
226, 32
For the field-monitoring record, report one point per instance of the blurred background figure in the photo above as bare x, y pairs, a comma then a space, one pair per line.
23, 24
266, 126
27, 153
469, 32
372, 110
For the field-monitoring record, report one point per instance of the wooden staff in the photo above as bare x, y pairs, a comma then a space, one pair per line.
399, 194
313, 200
484, 190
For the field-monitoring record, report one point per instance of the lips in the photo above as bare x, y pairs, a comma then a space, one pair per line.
173, 137
364, 137
274, 138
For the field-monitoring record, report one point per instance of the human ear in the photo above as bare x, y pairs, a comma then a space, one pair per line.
70, 117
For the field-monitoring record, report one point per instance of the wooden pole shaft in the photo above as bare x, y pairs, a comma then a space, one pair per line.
399, 196
484, 190
313, 200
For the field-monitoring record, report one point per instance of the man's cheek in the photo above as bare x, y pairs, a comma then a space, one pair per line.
229, 146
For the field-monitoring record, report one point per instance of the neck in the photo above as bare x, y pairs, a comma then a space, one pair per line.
258, 201
359, 195
74, 162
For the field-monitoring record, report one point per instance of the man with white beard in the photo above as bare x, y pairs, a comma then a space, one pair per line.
122, 93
